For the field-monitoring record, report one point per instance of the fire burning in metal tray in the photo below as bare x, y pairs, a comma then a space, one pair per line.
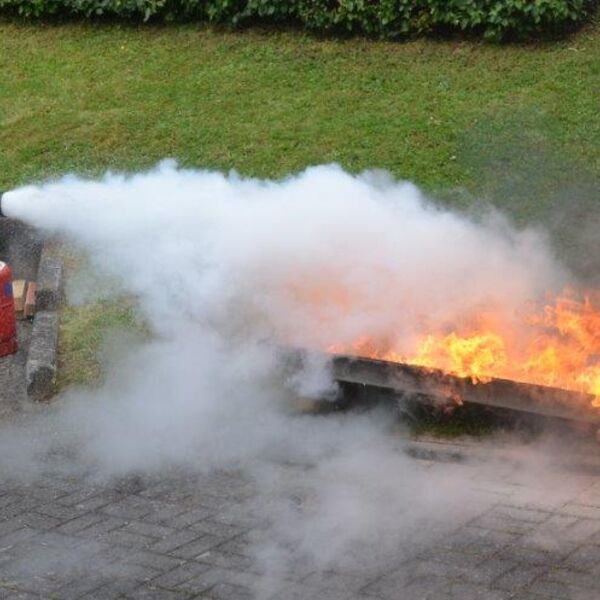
546, 359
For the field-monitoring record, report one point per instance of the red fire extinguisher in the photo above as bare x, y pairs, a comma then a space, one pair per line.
8, 324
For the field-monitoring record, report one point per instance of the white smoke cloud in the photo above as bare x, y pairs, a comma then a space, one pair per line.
226, 269
318, 258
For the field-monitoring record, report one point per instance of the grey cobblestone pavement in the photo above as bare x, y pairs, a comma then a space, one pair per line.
179, 535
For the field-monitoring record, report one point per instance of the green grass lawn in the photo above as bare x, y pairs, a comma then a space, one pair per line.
85, 99
517, 125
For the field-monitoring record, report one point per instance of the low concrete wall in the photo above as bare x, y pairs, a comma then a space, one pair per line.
49, 293
40, 369
41, 366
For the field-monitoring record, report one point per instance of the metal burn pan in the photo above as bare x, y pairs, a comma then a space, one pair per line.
502, 393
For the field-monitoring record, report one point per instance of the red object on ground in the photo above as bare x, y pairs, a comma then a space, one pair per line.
8, 323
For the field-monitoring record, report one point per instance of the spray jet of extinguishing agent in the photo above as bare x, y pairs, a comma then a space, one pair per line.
4, 197
24, 203
4, 201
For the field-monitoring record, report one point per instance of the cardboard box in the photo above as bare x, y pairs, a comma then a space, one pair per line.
30, 300
19, 286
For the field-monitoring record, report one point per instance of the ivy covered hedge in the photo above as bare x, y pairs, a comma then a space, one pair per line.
493, 19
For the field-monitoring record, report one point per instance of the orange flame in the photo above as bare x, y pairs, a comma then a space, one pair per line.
557, 345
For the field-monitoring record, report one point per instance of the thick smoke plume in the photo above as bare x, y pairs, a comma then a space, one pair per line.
319, 258
226, 270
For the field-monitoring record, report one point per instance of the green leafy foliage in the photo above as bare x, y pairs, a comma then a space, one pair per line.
493, 19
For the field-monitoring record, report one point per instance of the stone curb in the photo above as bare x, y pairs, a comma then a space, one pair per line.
49, 294
40, 369
486, 453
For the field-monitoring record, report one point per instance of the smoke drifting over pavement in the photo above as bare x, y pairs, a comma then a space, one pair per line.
227, 269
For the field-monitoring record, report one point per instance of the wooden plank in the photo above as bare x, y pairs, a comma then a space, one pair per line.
19, 286
503, 393
30, 300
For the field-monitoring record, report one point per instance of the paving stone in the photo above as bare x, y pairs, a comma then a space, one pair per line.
336, 581
469, 591
188, 518
539, 499
491, 570
115, 589
180, 575
573, 579
227, 591
211, 577
152, 530
8, 499
240, 544
500, 521
23, 506
127, 538
305, 592
84, 497
160, 562
586, 558
37, 520
455, 557
582, 531
164, 513
551, 589
176, 540
54, 539
475, 540
530, 554
148, 593
518, 578
478, 572
228, 560
522, 514
130, 508
58, 511
391, 588
225, 531
17, 595
590, 497
7, 527
17, 536
101, 528
581, 510
78, 524
45, 495
43, 587
82, 587
197, 547
554, 591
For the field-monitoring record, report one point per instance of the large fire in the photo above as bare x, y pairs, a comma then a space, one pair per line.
557, 344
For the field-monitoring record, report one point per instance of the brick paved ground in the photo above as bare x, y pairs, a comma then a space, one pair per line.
182, 535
